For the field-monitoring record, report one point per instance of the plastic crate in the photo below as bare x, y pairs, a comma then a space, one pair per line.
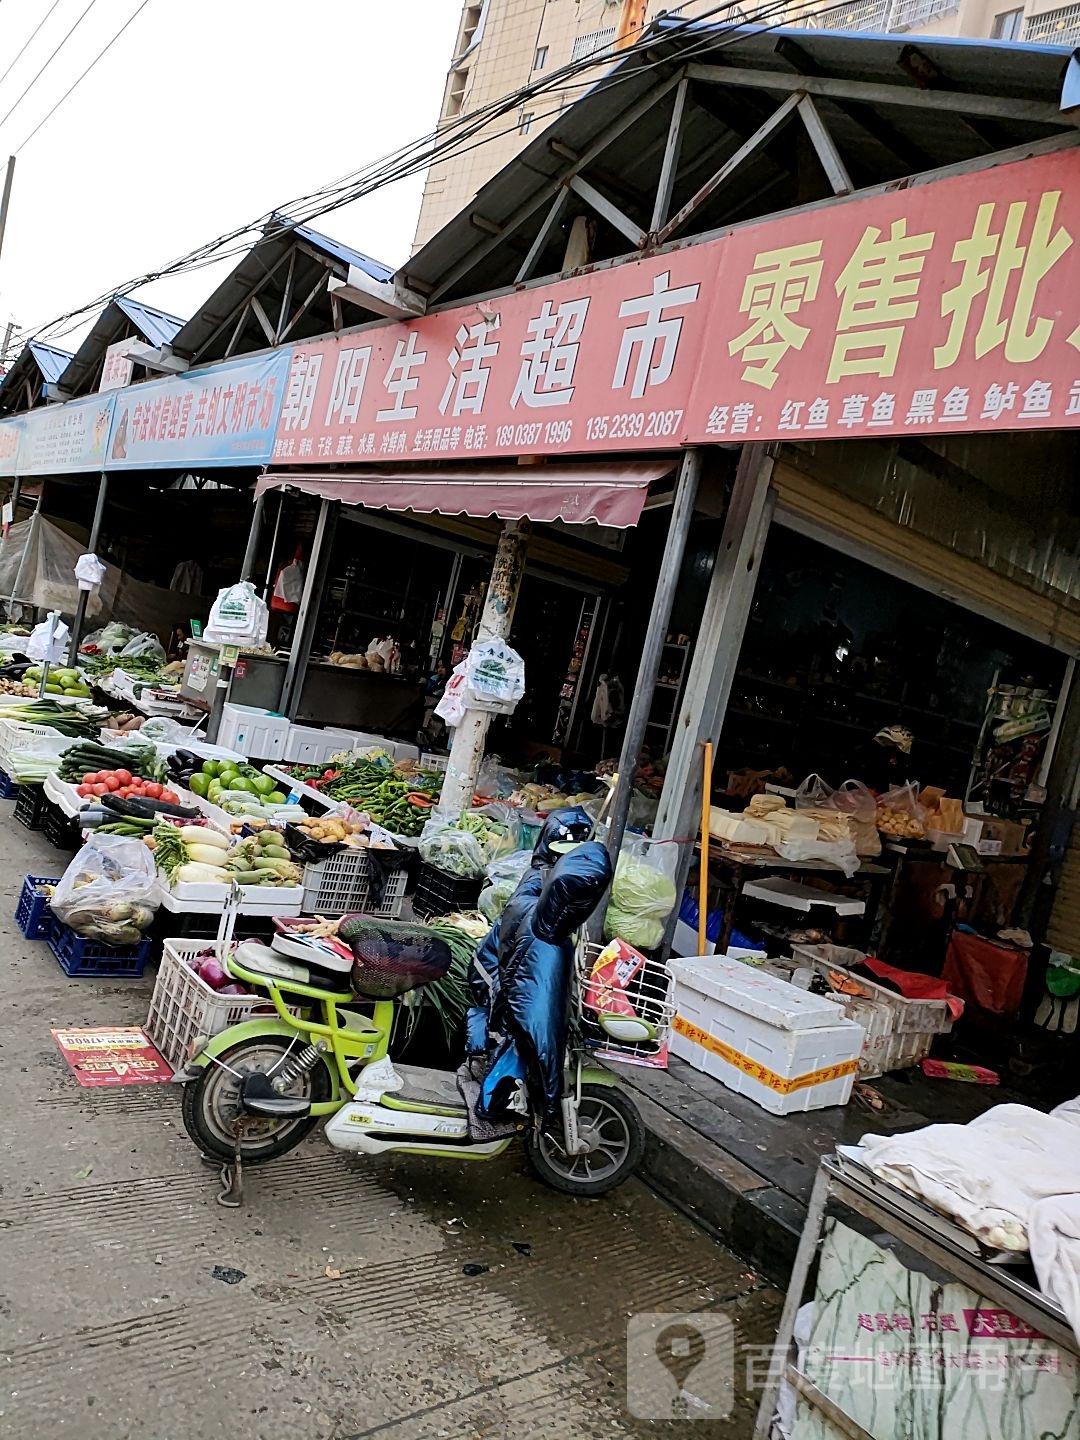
185, 1012
32, 914
14, 735
440, 894
341, 883
28, 806
8, 788
82, 958
59, 829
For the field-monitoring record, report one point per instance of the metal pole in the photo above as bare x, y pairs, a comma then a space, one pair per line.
308, 614
467, 747
273, 546
682, 513
84, 595
8, 328
5, 199
253, 538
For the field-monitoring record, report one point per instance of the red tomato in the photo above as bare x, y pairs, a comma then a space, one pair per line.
169, 795
83, 790
100, 789
113, 782
124, 776
153, 790
91, 777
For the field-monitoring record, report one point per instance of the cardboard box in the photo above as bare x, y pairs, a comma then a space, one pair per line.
780, 1046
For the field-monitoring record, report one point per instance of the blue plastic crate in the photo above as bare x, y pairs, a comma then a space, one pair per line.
32, 914
82, 958
8, 788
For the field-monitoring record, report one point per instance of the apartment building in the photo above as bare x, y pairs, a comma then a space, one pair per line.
502, 45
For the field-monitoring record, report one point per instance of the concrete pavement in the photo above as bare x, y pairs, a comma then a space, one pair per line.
354, 1315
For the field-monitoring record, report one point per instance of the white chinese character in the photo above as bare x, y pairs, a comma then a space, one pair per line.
1037, 398
300, 391
480, 437
307, 446
326, 445
344, 445
400, 382
954, 403
455, 437
789, 414
652, 368
817, 417
550, 355
998, 399
717, 422
921, 409
854, 411
468, 387
348, 387
1073, 407
741, 415
883, 409
436, 439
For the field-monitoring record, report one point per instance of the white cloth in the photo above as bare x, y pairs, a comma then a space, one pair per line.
1011, 1177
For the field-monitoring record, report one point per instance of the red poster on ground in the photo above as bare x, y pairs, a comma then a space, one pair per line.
118, 1056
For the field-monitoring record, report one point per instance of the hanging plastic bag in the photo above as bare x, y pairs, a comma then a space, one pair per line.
814, 794
108, 892
451, 706
642, 893
41, 647
503, 878
237, 616
495, 676
899, 814
89, 571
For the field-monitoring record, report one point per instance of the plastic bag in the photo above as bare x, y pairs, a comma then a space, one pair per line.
495, 677
493, 780
854, 800
840, 853
900, 815
814, 794
453, 851
89, 571
145, 646
503, 877
108, 891
237, 616
642, 893
451, 707
503, 823
41, 647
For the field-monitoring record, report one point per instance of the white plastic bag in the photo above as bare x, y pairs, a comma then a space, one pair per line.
289, 585
495, 676
237, 616
451, 706
108, 891
840, 853
89, 571
40, 647
145, 646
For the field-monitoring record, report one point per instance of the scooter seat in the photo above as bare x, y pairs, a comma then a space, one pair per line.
428, 1087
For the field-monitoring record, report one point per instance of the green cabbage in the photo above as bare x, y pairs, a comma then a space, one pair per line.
642, 898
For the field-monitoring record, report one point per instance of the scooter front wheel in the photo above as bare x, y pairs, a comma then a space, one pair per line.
211, 1104
610, 1126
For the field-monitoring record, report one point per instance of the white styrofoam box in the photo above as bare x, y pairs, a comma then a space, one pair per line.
256, 734
779, 890
307, 745
208, 899
403, 751
783, 1048
684, 941
64, 796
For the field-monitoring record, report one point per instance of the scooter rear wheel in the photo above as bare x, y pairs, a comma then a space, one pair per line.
611, 1125
211, 1104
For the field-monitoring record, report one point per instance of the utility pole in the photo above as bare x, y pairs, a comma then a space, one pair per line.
5, 201
7, 341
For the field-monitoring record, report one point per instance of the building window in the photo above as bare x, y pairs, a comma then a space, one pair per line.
472, 26
1007, 25
525, 123
455, 93
540, 58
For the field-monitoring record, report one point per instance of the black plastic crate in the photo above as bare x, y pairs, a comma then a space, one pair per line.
439, 894
82, 958
59, 829
33, 915
28, 806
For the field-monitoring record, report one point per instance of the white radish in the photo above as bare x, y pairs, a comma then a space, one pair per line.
195, 873
203, 835
206, 855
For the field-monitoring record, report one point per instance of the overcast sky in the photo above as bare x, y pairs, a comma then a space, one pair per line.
203, 115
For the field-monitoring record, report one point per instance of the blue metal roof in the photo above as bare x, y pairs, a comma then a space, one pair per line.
345, 253
51, 361
156, 326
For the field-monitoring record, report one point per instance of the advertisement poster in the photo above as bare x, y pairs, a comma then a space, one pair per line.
65, 439
120, 1056
225, 415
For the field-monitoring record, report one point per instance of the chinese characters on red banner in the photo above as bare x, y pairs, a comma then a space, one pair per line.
947, 306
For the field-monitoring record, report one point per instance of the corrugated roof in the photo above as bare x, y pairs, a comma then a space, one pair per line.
121, 319
879, 140
36, 365
285, 270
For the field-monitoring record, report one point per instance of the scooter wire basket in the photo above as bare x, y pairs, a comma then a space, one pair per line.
624, 1017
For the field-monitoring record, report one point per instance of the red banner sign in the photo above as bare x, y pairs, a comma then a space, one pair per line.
951, 306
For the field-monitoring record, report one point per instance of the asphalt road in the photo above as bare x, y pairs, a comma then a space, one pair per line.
355, 1314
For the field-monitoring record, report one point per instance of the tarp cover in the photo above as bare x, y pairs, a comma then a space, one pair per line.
37, 567
610, 494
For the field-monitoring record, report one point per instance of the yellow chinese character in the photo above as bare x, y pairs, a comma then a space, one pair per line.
878, 289
1025, 338
781, 282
